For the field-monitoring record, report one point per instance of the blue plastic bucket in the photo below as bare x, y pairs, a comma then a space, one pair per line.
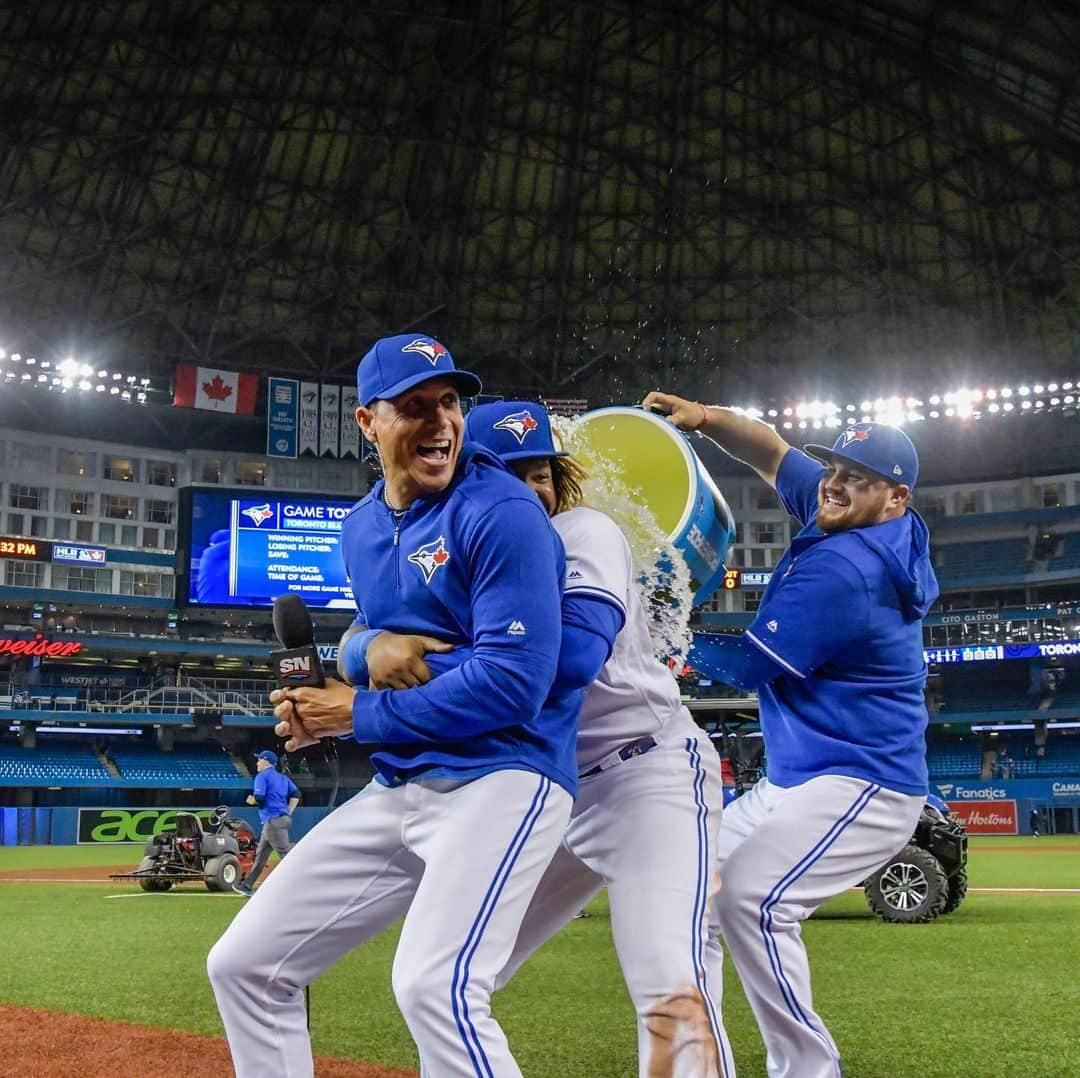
657, 466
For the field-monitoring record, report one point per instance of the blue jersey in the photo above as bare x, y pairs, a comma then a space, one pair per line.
842, 615
479, 566
273, 791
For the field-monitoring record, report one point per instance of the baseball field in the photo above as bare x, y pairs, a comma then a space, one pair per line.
993, 989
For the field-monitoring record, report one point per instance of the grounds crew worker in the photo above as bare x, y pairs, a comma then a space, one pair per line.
277, 797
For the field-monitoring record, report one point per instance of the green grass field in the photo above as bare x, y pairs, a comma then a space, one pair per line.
993, 989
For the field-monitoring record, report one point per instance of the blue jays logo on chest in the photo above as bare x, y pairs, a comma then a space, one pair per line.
430, 557
518, 424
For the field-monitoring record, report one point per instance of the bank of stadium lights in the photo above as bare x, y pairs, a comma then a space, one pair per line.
962, 403
70, 374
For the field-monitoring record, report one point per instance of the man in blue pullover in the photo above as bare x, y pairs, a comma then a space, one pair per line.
475, 768
835, 654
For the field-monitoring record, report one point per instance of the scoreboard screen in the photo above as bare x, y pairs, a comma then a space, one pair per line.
244, 548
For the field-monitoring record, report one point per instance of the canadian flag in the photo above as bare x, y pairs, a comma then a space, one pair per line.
216, 391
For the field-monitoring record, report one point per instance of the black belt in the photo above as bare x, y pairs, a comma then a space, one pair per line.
627, 752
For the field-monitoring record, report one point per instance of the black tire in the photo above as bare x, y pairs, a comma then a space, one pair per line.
220, 873
910, 889
957, 891
149, 884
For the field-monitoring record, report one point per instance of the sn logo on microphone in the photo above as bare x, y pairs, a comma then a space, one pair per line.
295, 667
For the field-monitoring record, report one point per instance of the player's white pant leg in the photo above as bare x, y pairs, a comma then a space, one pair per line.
652, 834
345, 880
566, 887
804, 845
485, 845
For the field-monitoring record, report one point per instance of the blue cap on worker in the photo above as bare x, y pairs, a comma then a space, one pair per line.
512, 430
395, 364
267, 755
879, 447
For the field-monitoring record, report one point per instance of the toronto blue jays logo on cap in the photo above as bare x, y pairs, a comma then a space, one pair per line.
512, 430
858, 433
429, 349
880, 447
519, 424
430, 557
394, 365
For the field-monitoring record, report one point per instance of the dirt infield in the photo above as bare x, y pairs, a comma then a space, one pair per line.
86, 874
71, 1046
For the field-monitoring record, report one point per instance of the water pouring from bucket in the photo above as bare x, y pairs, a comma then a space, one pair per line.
646, 476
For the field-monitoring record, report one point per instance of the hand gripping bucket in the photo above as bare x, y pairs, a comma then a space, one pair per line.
660, 470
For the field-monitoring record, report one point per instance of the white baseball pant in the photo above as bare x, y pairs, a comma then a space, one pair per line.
460, 860
646, 830
783, 852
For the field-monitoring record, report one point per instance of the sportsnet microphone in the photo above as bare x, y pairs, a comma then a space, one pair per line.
298, 664
298, 661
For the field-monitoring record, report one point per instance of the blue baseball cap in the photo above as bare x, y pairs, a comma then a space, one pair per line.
395, 364
267, 755
512, 430
878, 447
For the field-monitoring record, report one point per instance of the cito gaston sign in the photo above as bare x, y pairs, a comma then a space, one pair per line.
129, 825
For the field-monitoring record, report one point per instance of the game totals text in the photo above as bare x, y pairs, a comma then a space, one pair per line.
253, 549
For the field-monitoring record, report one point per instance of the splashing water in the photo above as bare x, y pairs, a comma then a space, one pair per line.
662, 576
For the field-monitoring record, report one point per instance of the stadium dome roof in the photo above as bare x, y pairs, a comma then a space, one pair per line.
585, 199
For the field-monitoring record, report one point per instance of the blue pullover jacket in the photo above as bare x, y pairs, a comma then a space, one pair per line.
479, 566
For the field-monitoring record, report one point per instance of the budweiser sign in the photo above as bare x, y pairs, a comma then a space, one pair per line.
39, 645
986, 817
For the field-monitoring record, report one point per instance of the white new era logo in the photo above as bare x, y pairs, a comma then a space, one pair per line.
772, 626
517, 628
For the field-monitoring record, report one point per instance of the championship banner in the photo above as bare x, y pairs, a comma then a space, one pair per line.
350, 429
307, 444
329, 419
282, 417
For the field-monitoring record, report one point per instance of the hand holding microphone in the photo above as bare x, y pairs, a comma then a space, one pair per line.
308, 707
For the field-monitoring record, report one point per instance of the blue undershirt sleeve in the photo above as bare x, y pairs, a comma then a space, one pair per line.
590, 625
797, 481
732, 660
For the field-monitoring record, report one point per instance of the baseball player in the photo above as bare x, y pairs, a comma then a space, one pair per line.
835, 654
473, 784
645, 819
277, 797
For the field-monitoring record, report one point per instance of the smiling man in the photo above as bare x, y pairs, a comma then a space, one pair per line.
473, 784
835, 654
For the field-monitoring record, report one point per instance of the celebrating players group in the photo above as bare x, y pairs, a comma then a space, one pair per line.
529, 750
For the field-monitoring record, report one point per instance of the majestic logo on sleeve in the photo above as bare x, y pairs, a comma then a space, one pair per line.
518, 424
430, 557
259, 513
431, 350
859, 433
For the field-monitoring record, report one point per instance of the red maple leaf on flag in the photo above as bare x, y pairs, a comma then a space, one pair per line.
216, 389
